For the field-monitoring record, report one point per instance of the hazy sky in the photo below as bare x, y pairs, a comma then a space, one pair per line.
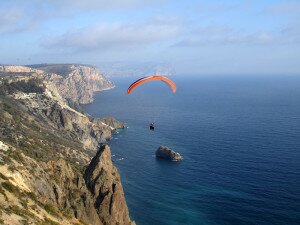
200, 37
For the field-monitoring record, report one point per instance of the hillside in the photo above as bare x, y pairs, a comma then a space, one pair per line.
77, 83
50, 169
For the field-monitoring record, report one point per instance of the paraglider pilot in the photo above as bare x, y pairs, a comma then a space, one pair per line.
142, 80
152, 126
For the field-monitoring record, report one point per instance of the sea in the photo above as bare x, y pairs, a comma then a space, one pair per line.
240, 139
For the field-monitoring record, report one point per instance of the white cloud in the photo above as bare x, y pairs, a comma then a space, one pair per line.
288, 7
20, 15
103, 4
79, 6
291, 33
220, 7
13, 20
109, 36
220, 35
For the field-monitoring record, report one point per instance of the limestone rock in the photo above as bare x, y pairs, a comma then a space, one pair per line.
112, 122
76, 82
45, 171
103, 181
164, 152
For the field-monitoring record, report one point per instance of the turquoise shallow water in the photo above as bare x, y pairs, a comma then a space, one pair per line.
240, 138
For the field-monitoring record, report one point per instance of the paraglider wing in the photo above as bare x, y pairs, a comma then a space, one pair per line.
139, 82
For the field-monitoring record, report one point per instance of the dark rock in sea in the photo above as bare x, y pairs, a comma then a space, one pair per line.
164, 152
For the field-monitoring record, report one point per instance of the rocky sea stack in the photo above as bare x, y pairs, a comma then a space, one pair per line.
164, 152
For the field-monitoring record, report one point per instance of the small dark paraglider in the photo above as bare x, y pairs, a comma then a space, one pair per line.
152, 126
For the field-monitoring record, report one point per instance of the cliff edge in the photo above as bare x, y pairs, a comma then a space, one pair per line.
73, 81
50, 169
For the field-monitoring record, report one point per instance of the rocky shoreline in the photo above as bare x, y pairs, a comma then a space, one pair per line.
76, 82
50, 169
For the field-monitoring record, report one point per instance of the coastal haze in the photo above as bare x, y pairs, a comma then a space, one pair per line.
75, 148
195, 37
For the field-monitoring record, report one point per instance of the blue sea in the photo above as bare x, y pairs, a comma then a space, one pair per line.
240, 139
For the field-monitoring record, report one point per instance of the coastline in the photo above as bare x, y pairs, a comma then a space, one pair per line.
60, 142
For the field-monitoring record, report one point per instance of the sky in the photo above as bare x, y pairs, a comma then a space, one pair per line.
194, 36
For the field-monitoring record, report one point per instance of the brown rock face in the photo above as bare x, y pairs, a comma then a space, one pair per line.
112, 122
45, 152
103, 181
96, 198
76, 82
164, 152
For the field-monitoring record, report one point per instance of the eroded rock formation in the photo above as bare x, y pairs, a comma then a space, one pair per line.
46, 146
75, 82
164, 152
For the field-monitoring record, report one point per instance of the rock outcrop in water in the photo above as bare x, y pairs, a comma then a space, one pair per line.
46, 172
164, 152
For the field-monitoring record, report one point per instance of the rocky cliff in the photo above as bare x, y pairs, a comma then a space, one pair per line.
50, 169
75, 82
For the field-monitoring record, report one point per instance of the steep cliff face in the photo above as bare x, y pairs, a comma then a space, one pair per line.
75, 82
103, 181
46, 176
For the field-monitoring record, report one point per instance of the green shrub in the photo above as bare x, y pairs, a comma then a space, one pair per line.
3, 177
66, 213
13, 189
12, 168
18, 211
83, 222
29, 86
24, 203
3, 193
32, 196
24, 222
34, 207
51, 209
48, 222
10, 187
16, 155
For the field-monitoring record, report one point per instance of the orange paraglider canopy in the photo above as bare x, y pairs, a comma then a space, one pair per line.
139, 82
